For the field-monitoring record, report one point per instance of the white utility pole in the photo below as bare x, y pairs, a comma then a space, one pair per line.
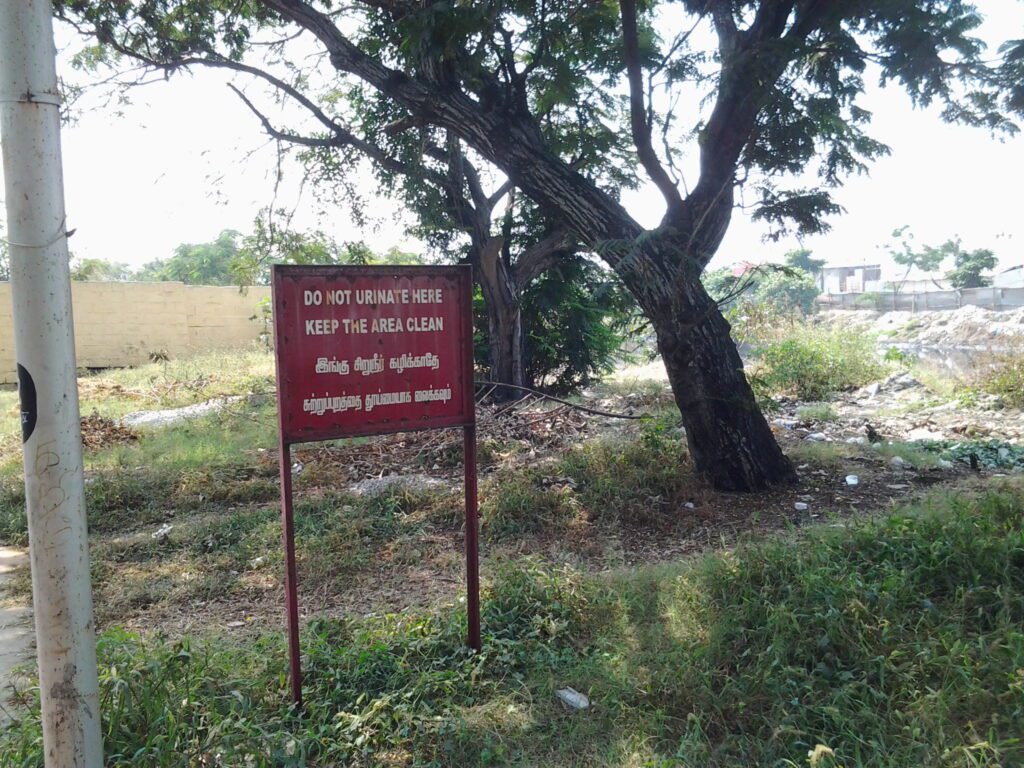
45, 344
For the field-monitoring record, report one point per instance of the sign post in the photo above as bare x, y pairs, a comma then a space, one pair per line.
369, 351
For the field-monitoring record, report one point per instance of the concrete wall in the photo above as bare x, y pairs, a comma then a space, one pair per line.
990, 298
122, 324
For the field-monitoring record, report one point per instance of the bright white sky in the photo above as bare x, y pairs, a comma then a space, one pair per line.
186, 159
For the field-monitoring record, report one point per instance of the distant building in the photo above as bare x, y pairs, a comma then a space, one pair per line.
862, 278
1012, 277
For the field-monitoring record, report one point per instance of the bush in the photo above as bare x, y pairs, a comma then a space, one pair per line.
813, 363
1005, 378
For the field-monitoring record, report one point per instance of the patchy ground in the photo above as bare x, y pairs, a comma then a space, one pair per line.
184, 512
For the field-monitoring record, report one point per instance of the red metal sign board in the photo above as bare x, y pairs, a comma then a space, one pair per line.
368, 350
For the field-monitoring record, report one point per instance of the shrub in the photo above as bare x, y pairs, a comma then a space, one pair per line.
813, 363
1005, 378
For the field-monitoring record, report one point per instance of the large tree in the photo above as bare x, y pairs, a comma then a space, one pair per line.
781, 81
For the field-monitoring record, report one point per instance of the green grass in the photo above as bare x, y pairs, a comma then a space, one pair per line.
816, 413
811, 363
831, 455
631, 482
171, 384
895, 642
1003, 375
915, 455
187, 466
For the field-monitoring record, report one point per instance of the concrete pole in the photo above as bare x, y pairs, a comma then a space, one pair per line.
51, 430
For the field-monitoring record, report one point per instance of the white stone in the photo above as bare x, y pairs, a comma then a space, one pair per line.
897, 461
817, 437
573, 698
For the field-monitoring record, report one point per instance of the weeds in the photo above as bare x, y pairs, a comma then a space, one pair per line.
831, 455
812, 363
894, 643
914, 454
631, 482
817, 413
1004, 376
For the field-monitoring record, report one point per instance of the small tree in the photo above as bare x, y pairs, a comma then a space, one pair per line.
800, 258
928, 259
968, 266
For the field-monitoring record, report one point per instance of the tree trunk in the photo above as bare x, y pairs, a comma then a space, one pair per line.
729, 439
504, 320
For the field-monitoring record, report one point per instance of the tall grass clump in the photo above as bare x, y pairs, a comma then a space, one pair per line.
1004, 376
631, 481
811, 363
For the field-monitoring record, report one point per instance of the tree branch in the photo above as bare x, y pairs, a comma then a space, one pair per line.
339, 139
541, 256
639, 123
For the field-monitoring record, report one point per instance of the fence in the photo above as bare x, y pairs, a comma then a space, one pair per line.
122, 324
990, 298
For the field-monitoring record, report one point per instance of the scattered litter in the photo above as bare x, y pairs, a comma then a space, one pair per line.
817, 437
297, 468
162, 532
573, 698
689, 505
800, 506
897, 461
256, 562
235, 624
945, 464
852, 480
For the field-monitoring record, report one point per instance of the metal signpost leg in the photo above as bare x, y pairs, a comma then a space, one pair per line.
472, 538
290, 574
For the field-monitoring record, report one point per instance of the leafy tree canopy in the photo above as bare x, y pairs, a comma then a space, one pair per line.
801, 258
100, 270
969, 265
198, 264
784, 79
561, 96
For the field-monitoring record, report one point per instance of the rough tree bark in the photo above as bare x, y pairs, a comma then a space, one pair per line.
504, 318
